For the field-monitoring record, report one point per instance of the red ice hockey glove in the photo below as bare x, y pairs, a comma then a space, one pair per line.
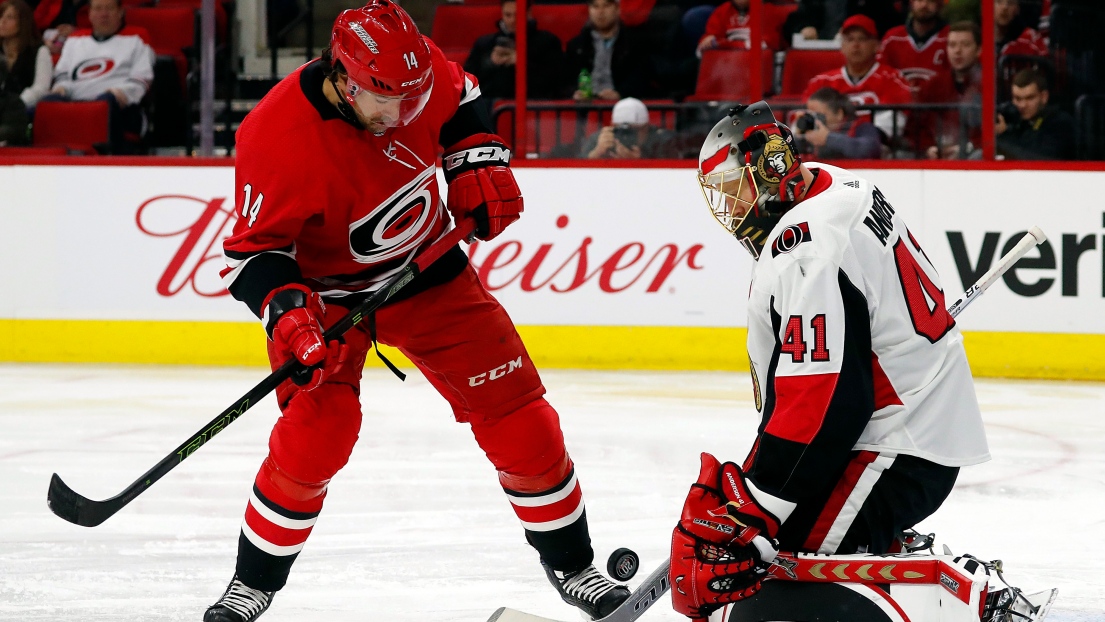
481, 185
293, 320
724, 540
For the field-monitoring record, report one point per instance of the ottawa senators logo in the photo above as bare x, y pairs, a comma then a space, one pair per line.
790, 238
776, 159
398, 225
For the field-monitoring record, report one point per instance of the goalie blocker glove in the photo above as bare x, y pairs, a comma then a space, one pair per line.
724, 542
293, 317
481, 184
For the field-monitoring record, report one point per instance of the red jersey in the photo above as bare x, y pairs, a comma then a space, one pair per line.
348, 209
918, 61
1028, 43
881, 85
733, 29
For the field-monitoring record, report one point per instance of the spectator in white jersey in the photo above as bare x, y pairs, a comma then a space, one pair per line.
111, 62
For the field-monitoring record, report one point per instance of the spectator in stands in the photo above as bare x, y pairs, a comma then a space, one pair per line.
629, 135
952, 134
823, 19
110, 63
1030, 130
27, 66
493, 56
729, 27
611, 53
831, 130
863, 79
1011, 35
917, 48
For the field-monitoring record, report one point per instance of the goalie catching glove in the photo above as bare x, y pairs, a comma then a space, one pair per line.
723, 544
481, 185
293, 320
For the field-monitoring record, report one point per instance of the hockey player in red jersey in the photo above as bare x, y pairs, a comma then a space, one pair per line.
867, 404
336, 183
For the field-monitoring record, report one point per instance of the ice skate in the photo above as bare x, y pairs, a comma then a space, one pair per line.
594, 594
1006, 603
240, 603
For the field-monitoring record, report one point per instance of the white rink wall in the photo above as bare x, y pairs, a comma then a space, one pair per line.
596, 248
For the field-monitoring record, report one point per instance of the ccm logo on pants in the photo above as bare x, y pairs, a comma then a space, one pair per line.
496, 373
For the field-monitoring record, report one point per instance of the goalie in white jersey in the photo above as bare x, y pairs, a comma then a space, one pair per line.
867, 404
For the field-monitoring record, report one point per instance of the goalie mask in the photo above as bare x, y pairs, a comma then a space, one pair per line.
749, 173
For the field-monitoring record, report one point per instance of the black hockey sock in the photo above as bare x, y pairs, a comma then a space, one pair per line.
566, 549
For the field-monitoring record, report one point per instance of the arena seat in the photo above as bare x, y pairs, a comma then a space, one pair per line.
725, 75
800, 66
457, 26
76, 126
563, 20
171, 30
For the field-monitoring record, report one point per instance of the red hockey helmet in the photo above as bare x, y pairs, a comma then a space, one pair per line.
386, 60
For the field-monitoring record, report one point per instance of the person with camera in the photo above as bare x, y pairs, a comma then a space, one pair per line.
493, 56
830, 129
1027, 129
629, 135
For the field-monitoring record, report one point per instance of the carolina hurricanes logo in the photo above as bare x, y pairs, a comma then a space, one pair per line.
93, 68
397, 225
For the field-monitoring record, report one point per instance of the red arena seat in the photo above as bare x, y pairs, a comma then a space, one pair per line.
726, 75
72, 125
563, 20
801, 66
457, 26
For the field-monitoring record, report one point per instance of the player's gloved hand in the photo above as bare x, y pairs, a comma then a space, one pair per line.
723, 543
481, 185
293, 320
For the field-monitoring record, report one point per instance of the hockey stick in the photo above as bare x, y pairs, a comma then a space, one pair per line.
83, 511
657, 584
1034, 236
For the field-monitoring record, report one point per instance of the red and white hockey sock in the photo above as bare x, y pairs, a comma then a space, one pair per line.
272, 537
555, 521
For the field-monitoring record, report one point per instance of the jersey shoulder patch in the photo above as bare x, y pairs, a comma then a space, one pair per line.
790, 238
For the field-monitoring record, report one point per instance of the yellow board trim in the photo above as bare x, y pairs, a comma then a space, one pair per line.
1009, 355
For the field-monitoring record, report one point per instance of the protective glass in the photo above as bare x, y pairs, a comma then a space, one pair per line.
394, 111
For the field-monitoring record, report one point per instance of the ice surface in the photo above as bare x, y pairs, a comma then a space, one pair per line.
417, 528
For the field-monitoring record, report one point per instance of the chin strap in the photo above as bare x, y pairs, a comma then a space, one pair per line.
343, 106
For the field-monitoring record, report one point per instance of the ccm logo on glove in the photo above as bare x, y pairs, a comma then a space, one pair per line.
490, 155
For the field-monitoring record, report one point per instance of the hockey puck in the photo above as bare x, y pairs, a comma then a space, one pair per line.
623, 564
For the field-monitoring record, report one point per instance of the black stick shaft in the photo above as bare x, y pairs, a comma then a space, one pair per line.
80, 510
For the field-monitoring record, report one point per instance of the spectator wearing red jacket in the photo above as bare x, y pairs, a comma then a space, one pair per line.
1011, 34
952, 134
729, 27
862, 78
917, 49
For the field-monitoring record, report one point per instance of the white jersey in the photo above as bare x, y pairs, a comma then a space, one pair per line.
850, 343
89, 67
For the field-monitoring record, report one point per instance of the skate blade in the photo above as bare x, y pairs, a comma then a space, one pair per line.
506, 614
1043, 601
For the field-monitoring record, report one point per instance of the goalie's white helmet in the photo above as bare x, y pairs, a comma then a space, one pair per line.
750, 173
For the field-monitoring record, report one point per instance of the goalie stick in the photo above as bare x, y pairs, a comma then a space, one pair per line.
80, 510
657, 583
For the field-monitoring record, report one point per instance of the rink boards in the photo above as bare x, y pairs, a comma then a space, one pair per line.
608, 268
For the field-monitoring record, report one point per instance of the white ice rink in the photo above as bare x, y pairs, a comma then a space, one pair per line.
417, 528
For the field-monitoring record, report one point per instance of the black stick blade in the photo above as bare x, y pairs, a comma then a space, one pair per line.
74, 508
